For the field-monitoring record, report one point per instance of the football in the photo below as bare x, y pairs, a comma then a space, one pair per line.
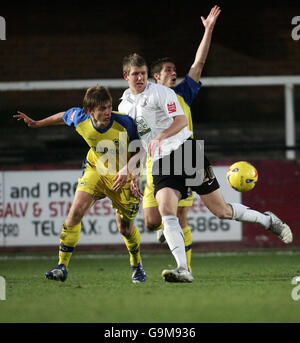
242, 176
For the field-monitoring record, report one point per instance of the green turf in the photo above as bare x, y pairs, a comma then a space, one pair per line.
245, 288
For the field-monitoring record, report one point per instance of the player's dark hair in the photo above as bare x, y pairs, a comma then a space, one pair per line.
133, 60
96, 96
157, 65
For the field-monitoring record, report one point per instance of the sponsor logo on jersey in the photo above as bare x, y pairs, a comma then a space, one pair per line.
116, 141
72, 115
171, 107
142, 126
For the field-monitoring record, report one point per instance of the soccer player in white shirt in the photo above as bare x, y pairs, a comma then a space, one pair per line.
161, 125
163, 70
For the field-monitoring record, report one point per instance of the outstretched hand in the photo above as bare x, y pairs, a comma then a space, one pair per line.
211, 19
27, 120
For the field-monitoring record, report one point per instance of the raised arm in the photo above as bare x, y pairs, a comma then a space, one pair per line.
55, 119
202, 51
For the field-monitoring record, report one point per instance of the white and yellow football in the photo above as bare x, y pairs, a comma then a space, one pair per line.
242, 176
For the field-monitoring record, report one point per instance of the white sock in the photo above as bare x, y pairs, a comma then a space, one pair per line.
174, 237
243, 213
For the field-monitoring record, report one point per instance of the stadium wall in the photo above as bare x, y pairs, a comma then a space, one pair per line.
80, 46
27, 192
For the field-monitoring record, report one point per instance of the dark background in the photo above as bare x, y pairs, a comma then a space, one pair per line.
48, 40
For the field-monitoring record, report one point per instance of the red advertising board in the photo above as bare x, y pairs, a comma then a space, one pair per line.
277, 190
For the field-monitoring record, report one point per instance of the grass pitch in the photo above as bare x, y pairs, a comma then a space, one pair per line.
240, 288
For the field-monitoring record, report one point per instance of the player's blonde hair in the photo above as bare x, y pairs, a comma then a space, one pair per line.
96, 96
133, 60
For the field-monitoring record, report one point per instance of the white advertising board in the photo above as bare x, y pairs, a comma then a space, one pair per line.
34, 204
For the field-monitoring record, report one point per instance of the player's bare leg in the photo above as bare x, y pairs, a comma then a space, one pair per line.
217, 205
81, 204
152, 218
132, 240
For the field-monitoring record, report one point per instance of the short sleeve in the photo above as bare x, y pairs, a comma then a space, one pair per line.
128, 123
74, 116
169, 101
188, 89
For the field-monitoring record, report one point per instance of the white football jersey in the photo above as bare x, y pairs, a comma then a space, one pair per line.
153, 111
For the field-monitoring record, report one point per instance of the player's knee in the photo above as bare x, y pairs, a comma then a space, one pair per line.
152, 218
152, 226
124, 230
75, 215
152, 223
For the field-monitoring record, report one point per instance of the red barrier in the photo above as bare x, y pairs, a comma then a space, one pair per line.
277, 190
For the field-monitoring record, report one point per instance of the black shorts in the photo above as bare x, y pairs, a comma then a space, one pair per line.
161, 179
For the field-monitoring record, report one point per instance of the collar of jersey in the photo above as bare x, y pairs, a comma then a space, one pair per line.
107, 127
127, 93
